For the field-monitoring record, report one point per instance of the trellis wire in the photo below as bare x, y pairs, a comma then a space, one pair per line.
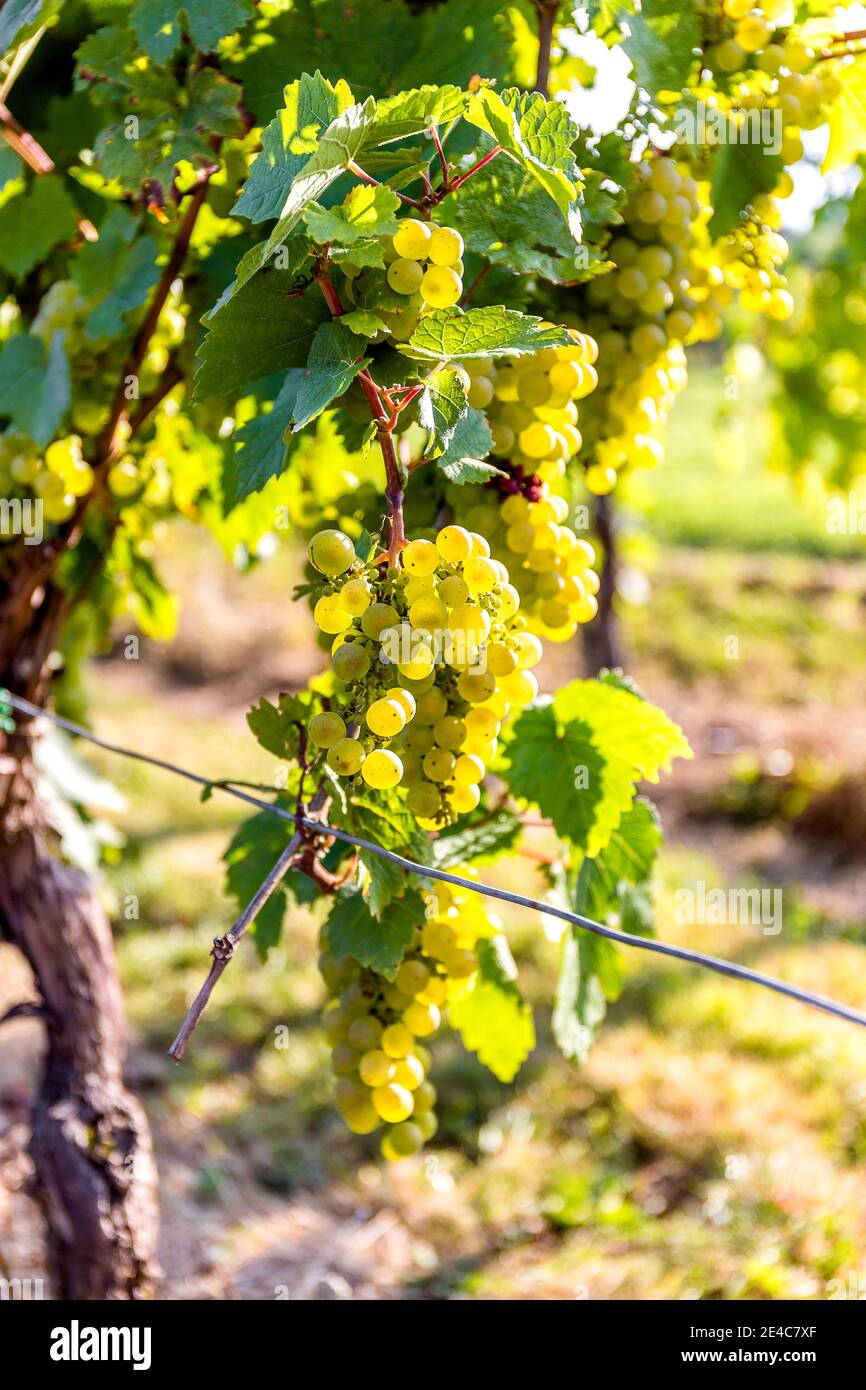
683, 953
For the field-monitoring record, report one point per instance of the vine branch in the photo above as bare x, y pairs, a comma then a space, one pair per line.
546, 11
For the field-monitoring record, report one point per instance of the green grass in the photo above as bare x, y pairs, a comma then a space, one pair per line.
717, 486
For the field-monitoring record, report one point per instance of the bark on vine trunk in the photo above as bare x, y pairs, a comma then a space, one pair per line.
90, 1143
602, 642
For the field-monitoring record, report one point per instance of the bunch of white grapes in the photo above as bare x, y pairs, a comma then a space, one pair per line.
378, 1028
424, 271
427, 660
531, 403
550, 565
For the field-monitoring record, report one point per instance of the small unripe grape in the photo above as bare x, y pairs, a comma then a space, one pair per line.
346, 756
375, 1068
397, 1041
446, 246
326, 728
439, 764
425, 800
468, 770
453, 590
412, 239
422, 1019
393, 1103
332, 552
409, 1072
377, 619
351, 662
402, 1141
441, 287
385, 718
420, 558
454, 544
124, 479
355, 597
405, 277
330, 616
364, 1033
450, 732
382, 769
412, 977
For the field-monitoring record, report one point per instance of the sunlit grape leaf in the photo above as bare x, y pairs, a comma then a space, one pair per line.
379, 943
492, 1018
847, 115
310, 104
34, 385
535, 132
661, 41
33, 222
160, 24
460, 334
464, 459
333, 363
263, 329
275, 727
440, 406
505, 216
20, 18
409, 113
336, 148
261, 446
580, 998
580, 757
366, 212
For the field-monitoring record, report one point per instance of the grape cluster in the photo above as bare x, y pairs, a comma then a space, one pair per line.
550, 566
424, 270
377, 1029
642, 314
531, 403
427, 660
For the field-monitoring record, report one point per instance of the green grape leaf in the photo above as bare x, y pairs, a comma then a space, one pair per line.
21, 18
463, 460
275, 727
336, 148
116, 273
252, 852
493, 1019
366, 212
288, 142
480, 843
661, 42
627, 858
363, 322
33, 222
441, 405
581, 1004
458, 334
11, 167
260, 330
504, 216
378, 943
377, 48
160, 24
847, 116
383, 820
332, 366
740, 173
261, 446
34, 385
410, 113
579, 758
535, 132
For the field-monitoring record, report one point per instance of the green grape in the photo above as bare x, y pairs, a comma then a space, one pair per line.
326, 729
405, 277
332, 552
412, 239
